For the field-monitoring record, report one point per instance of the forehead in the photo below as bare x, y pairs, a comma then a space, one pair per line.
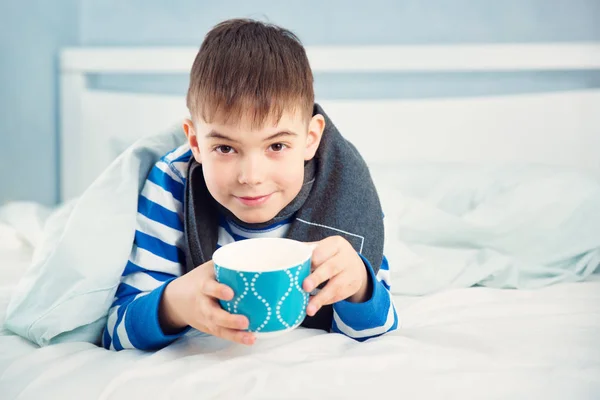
290, 119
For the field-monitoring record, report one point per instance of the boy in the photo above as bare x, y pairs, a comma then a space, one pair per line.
261, 160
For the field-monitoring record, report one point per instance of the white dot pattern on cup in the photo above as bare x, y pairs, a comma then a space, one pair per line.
263, 300
304, 296
285, 295
244, 293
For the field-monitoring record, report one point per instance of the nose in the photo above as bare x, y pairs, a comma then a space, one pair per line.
252, 170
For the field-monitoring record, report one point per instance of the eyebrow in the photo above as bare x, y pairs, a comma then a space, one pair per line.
280, 134
216, 135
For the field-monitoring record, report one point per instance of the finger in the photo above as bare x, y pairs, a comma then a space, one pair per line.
335, 290
326, 249
234, 335
222, 318
326, 271
209, 322
217, 290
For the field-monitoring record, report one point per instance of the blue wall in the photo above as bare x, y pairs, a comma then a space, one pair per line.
142, 22
32, 32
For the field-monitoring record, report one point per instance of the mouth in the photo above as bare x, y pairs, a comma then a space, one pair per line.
252, 201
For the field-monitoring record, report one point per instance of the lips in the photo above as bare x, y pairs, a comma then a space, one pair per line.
253, 200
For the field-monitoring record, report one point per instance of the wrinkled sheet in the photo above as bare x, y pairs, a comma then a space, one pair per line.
475, 343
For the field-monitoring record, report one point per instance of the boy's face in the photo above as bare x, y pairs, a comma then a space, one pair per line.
255, 173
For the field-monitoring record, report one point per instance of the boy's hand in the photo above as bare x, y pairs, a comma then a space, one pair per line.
192, 299
335, 259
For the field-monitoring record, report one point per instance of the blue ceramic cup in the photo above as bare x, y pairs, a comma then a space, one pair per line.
266, 275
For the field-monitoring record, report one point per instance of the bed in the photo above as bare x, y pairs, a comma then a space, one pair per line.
456, 340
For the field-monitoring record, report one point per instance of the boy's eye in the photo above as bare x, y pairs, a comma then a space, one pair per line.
224, 149
277, 147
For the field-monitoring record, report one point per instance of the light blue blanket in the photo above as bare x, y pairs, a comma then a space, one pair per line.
66, 293
520, 227
446, 226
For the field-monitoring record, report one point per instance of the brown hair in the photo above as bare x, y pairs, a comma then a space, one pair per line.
250, 69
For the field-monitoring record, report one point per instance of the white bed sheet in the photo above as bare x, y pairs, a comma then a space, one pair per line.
458, 344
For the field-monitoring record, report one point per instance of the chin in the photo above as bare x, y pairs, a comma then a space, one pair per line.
255, 216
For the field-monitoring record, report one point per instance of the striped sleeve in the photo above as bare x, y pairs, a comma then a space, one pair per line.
376, 316
156, 258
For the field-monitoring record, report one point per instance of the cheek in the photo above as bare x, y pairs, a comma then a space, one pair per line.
216, 176
290, 175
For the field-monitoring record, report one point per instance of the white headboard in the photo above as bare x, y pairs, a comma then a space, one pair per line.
561, 128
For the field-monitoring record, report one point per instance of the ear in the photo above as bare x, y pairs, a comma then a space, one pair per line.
190, 133
313, 139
